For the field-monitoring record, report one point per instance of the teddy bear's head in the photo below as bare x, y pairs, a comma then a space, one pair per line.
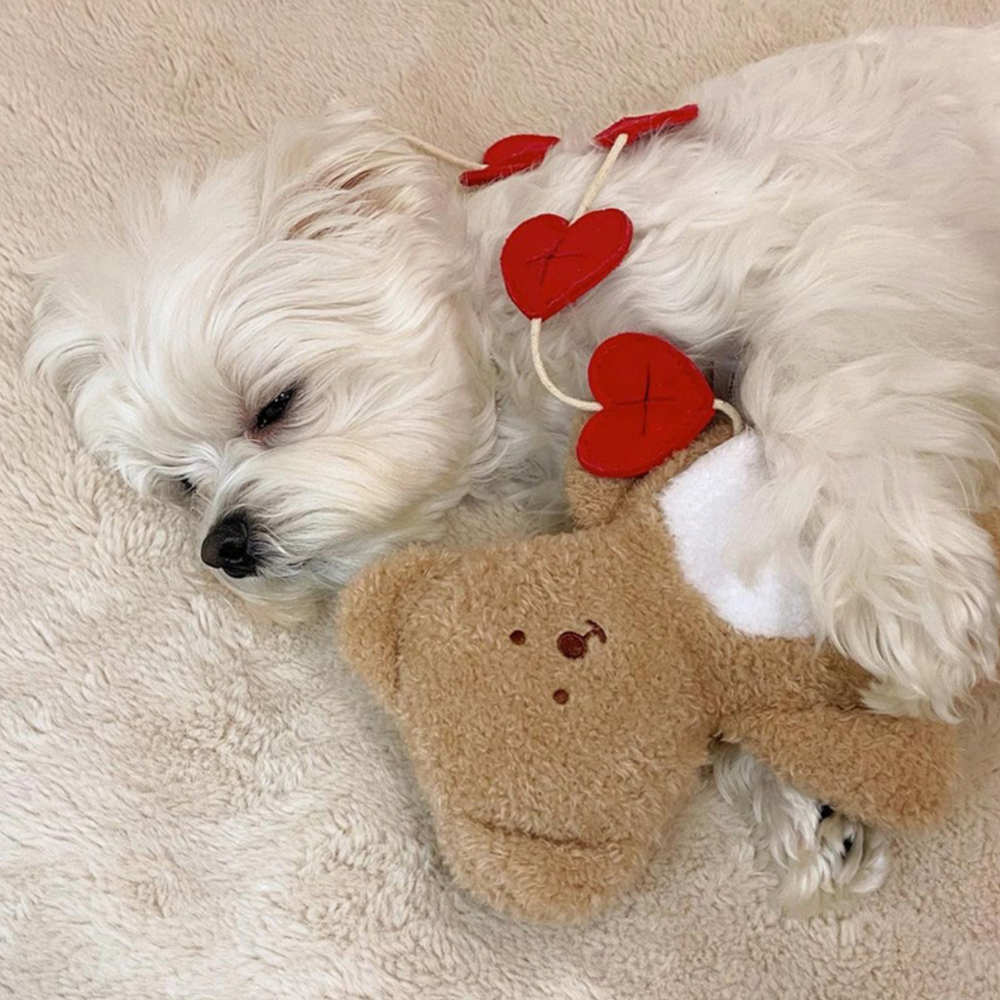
551, 704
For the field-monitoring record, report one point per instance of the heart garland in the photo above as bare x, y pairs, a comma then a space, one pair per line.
650, 399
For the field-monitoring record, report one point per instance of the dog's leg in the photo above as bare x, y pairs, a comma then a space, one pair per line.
823, 860
877, 465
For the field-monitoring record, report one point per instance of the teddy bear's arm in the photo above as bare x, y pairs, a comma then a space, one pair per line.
874, 768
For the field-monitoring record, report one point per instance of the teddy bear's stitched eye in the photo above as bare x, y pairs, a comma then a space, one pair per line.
518, 637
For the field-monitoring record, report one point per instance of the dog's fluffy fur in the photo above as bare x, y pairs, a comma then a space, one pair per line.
832, 220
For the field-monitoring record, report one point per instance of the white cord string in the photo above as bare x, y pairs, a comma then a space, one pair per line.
595, 184
441, 154
730, 411
536, 324
536, 357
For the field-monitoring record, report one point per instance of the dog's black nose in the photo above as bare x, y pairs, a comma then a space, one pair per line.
227, 546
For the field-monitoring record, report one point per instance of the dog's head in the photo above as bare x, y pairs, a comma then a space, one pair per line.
285, 343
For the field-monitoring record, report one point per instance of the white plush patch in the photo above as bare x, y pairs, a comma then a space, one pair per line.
702, 508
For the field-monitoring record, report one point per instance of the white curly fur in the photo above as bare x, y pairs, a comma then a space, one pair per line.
832, 219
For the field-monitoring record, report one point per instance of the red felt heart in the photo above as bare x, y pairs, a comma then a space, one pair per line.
655, 400
642, 125
510, 155
547, 263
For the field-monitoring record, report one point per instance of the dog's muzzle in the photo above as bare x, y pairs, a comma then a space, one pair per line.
227, 546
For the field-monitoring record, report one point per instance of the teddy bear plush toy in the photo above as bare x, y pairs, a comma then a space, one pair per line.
558, 695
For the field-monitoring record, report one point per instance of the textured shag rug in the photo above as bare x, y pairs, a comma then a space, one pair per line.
195, 804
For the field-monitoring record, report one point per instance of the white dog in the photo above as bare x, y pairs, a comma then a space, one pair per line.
315, 340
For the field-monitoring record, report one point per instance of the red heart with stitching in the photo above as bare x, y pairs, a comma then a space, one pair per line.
547, 263
510, 155
639, 126
655, 400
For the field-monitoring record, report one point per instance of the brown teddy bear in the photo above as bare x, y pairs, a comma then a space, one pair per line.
559, 695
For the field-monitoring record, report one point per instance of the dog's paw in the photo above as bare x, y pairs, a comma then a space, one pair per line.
830, 869
824, 861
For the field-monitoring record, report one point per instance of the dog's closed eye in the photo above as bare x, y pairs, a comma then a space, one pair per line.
275, 410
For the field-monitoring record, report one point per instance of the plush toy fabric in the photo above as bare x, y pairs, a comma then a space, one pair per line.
558, 695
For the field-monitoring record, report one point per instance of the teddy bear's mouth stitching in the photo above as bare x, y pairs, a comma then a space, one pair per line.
520, 834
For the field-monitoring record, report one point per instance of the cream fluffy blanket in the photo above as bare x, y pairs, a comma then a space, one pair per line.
194, 804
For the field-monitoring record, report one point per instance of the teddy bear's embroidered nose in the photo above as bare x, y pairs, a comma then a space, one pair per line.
572, 645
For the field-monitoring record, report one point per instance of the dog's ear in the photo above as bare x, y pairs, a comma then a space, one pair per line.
371, 616
319, 173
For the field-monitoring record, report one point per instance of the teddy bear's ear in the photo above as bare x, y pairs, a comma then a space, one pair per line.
595, 500
370, 617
